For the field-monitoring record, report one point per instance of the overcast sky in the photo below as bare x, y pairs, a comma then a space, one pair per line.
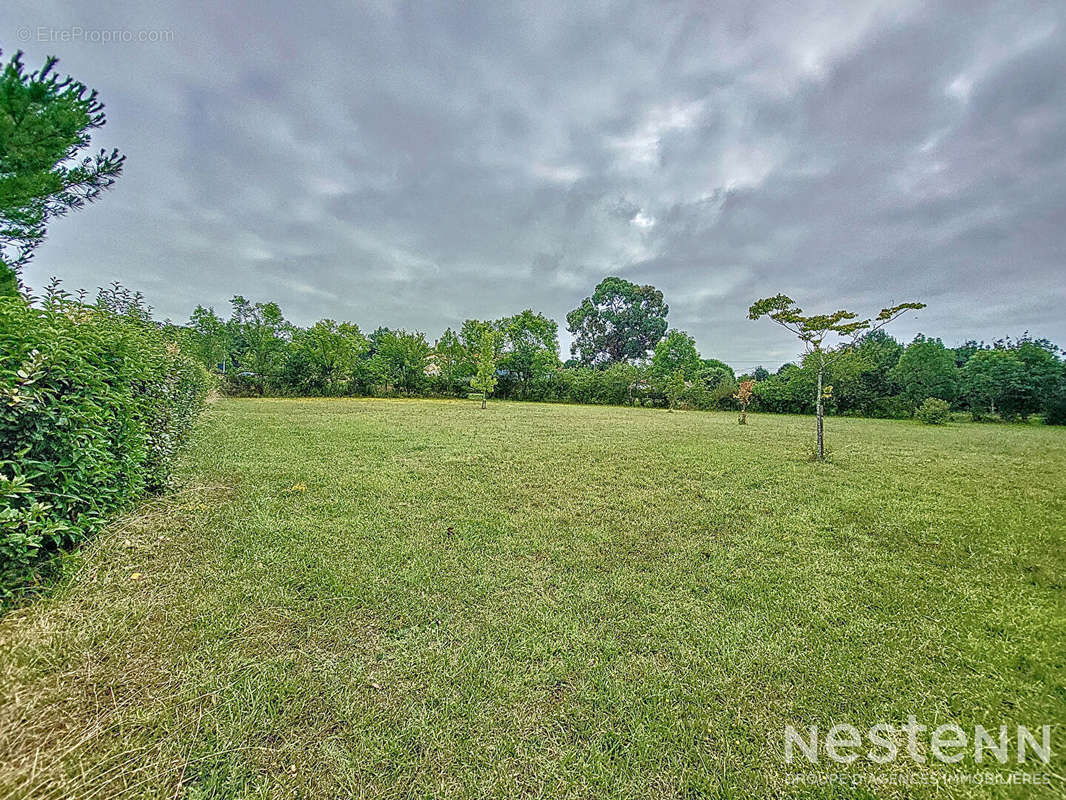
416, 164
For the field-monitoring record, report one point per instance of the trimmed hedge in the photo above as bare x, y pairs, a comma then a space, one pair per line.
94, 405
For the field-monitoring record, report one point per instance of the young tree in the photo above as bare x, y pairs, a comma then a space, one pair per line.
45, 122
822, 336
620, 322
743, 396
485, 379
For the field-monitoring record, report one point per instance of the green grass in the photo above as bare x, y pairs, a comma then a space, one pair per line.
543, 601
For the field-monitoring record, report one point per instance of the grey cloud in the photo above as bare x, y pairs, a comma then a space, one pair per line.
411, 164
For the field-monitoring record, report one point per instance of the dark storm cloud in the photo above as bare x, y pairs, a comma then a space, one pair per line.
412, 165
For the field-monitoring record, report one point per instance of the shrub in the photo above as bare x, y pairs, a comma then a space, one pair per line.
1055, 410
94, 405
934, 411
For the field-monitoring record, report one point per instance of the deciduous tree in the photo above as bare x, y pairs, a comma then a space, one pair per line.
743, 398
326, 357
822, 336
401, 359
676, 351
927, 369
621, 321
210, 339
455, 364
485, 379
261, 339
995, 380
530, 348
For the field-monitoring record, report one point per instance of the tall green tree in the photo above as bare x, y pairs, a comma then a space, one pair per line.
823, 337
621, 321
1044, 374
473, 331
872, 392
261, 342
530, 349
926, 369
209, 338
454, 363
676, 351
995, 381
400, 359
45, 124
963, 352
326, 358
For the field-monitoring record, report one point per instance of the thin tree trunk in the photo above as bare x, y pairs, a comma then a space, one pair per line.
818, 412
483, 398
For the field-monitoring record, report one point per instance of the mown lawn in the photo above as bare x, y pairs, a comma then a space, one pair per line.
384, 598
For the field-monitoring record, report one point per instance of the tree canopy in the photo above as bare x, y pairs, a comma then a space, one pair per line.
927, 369
620, 322
677, 351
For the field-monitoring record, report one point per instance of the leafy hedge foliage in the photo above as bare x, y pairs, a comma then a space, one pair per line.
94, 403
934, 411
1055, 413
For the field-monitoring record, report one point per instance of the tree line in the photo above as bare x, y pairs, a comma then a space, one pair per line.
623, 353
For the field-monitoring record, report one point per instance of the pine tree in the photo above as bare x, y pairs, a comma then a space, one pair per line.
45, 122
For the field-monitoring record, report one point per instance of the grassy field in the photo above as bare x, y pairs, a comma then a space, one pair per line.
385, 598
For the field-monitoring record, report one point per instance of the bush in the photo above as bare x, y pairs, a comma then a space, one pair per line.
1055, 410
934, 411
94, 405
